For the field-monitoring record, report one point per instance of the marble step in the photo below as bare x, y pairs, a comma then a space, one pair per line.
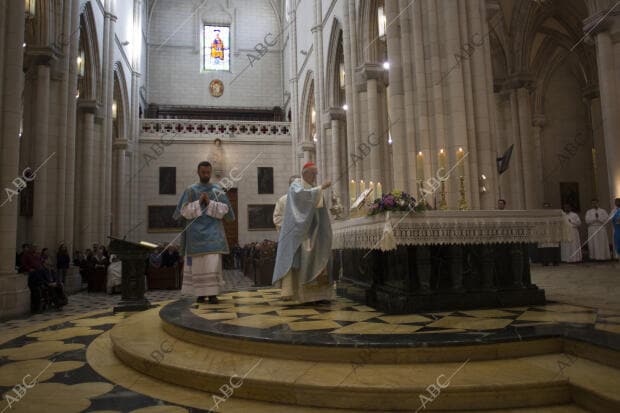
541, 380
102, 359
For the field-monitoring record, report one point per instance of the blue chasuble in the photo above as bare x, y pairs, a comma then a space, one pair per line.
205, 234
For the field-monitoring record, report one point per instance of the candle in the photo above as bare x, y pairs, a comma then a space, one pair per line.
352, 190
459, 159
379, 190
362, 186
420, 166
371, 186
442, 160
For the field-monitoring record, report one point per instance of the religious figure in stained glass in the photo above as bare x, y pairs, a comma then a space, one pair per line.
216, 50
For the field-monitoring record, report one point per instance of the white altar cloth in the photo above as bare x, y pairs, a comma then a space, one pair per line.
452, 228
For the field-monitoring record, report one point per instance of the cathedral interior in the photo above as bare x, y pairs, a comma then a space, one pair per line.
468, 160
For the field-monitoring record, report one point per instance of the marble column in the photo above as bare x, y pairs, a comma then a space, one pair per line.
516, 171
14, 294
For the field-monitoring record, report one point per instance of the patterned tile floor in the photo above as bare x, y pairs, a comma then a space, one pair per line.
84, 301
55, 353
262, 316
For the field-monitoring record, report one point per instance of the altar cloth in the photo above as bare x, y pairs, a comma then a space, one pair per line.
453, 228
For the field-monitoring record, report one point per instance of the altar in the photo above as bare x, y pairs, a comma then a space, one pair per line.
442, 260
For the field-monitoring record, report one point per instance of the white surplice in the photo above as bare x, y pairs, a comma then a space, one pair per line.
202, 274
571, 250
598, 242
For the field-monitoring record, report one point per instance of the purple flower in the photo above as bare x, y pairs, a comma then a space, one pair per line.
389, 201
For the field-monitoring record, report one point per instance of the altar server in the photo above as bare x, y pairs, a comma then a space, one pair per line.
598, 243
203, 240
571, 250
304, 245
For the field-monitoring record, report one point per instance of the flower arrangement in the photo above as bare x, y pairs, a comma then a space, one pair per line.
395, 200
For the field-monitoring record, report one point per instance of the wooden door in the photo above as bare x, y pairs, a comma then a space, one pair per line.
232, 228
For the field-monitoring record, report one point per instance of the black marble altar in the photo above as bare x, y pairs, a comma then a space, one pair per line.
438, 277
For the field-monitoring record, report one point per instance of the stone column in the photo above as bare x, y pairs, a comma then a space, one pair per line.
340, 183
86, 230
119, 148
14, 294
605, 26
371, 74
41, 154
516, 172
317, 31
70, 198
353, 103
538, 124
349, 92
295, 119
527, 147
396, 121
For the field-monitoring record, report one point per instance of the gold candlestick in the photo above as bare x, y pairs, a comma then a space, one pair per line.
443, 205
462, 202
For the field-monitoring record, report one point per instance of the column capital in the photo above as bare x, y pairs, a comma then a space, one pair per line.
40, 56
87, 106
518, 81
539, 120
307, 146
368, 71
601, 21
335, 113
120, 144
590, 92
110, 16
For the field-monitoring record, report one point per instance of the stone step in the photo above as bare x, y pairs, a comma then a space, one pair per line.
101, 358
541, 380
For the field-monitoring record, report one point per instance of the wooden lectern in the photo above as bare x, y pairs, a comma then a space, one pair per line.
133, 256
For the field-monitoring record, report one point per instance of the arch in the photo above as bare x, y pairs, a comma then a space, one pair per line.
90, 85
121, 96
307, 99
372, 48
333, 91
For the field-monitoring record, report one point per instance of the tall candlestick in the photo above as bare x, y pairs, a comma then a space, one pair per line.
362, 186
420, 166
372, 186
379, 190
459, 159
